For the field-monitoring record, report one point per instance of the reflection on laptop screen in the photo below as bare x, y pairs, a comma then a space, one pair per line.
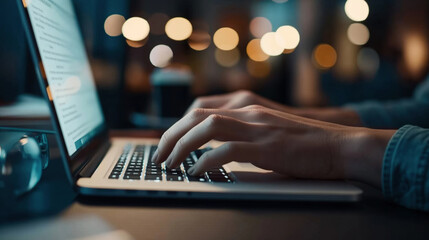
67, 70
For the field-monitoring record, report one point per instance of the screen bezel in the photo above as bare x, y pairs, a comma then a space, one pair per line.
84, 154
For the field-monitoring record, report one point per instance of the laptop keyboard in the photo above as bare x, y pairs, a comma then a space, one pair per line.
138, 166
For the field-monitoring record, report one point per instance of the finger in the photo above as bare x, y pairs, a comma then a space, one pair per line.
215, 127
180, 128
237, 102
210, 102
228, 152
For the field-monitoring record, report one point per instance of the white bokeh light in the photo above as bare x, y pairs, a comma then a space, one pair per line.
287, 37
161, 55
269, 44
357, 10
135, 29
358, 34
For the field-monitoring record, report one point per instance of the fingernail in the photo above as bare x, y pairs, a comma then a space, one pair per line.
155, 156
191, 171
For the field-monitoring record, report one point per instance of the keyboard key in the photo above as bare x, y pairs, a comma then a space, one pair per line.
175, 178
154, 172
131, 177
221, 180
196, 179
153, 178
113, 176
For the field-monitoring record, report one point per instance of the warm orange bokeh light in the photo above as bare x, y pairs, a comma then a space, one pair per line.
226, 38
178, 28
325, 56
254, 51
199, 40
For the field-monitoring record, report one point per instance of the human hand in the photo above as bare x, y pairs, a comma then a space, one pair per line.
243, 98
273, 140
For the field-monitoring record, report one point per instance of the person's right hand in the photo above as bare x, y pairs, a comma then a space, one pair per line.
287, 144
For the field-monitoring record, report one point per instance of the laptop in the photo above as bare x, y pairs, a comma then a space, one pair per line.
97, 165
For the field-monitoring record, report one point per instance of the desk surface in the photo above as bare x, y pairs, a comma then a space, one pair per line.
372, 218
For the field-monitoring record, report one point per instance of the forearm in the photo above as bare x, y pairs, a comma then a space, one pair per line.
361, 154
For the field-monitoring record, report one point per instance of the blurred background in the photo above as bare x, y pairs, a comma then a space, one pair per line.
308, 53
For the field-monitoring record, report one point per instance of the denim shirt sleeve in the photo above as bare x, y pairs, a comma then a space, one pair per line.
394, 114
405, 172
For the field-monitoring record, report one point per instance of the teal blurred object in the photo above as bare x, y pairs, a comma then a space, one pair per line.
13, 53
22, 159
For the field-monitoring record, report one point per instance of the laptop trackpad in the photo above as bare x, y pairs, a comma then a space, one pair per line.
246, 172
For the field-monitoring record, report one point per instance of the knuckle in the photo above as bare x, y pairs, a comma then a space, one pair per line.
214, 119
256, 112
245, 93
199, 102
254, 107
180, 143
197, 113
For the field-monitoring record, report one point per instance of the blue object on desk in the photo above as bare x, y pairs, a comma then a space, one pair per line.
22, 159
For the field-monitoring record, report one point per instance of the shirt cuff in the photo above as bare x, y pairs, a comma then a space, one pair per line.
405, 176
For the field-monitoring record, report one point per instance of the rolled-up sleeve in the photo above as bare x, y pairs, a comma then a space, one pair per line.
405, 172
394, 114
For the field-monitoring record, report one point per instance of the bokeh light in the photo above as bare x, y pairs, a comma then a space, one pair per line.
416, 50
136, 78
226, 38
358, 34
259, 26
135, 29
199, 40
113, 25
357, 10
254, 51
368, 62
157, 23
227, 58
269, 44
325, 56
258, 69
161, 55
178, 28
287, 37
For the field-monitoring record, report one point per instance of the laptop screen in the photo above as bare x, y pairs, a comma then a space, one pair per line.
71, 84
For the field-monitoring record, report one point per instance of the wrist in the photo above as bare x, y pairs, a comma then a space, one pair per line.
334, 115
362, 154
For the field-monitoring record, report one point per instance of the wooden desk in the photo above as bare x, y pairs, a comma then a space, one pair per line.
372, 218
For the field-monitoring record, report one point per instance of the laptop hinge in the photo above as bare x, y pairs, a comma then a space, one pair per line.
95, 160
